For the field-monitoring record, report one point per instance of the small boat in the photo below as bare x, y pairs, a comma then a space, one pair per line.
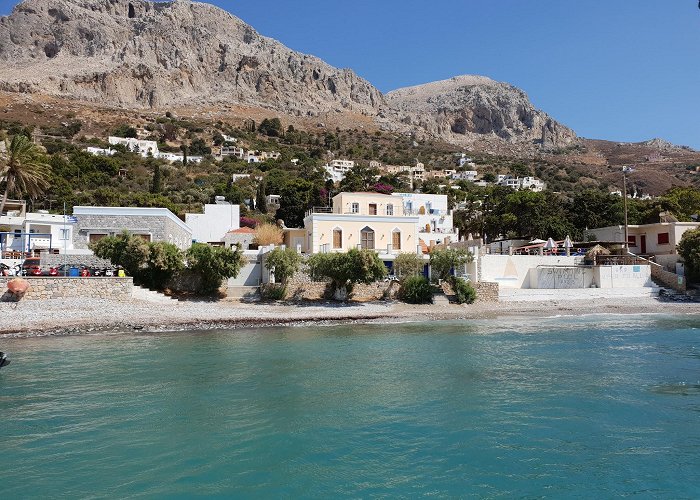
3, 360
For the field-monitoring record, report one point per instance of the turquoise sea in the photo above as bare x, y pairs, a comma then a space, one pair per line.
593, 407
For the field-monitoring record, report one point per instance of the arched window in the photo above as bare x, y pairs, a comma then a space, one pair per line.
396, 239
367, 238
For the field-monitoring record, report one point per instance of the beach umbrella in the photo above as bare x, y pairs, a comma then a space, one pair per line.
596, 251
536, 241
567, 243
550, 244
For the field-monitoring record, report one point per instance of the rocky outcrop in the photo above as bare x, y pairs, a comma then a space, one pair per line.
142, 54
136, 53
466, 109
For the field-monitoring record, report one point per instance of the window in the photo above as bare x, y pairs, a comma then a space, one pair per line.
390, 209
337, 238
94, 238
373, 209
64, 234
144, 237
396, 240
355, 208
632, 241
663, 239
367, 239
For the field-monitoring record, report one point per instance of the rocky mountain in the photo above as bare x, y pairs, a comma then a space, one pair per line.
469, 108
138, 53
142, 54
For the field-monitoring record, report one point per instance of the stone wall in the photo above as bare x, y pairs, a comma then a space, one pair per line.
158, 228
58, 288
668, 279
486, 292
301, 287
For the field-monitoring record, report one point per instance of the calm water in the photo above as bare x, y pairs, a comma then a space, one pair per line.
593, 407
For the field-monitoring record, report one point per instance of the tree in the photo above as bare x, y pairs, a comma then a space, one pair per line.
260, 197
689, 249
296, 197
199, 148
283, 263
156, 185
359, 178
346, 269
443, 261
268, 234
163, 261
24, 169
127, 131
124, 250
213, 265
271, 127
407, 265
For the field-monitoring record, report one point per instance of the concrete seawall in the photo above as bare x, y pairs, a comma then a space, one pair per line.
57, 288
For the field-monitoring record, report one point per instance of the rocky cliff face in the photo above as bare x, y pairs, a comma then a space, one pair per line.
142, 54
137, 53
466, 109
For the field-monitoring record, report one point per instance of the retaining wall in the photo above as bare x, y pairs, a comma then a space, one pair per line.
58, 288
668, 279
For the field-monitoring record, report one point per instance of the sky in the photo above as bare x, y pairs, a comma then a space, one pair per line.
622, 70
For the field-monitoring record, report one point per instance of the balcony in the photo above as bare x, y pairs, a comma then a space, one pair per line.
389, 250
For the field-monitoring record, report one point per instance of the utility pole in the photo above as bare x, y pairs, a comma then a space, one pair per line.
65, 242
626, 170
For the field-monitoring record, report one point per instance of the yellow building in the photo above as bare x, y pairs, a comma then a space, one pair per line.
362, 220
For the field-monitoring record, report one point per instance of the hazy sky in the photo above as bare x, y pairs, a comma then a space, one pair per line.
625, 70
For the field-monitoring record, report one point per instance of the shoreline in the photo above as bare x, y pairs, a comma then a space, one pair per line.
66, 317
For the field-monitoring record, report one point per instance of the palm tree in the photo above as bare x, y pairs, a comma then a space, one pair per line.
23, 169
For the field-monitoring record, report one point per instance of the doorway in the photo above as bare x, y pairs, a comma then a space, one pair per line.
643, 244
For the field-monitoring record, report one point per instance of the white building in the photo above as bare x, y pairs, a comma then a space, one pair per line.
23, 232
518, 183
145, 148
101, 151
212, 225
467, 175
337, 169
435, 221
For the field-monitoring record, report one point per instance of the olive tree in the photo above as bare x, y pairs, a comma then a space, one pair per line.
443, 261
346, 269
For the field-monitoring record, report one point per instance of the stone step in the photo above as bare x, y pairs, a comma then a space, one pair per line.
440, 299
141, 293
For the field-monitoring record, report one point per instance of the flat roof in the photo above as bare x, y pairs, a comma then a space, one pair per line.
132, 212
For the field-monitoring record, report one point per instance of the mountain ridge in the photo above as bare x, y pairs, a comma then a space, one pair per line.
149, 55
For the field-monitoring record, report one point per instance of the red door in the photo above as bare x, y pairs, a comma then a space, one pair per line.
643, 243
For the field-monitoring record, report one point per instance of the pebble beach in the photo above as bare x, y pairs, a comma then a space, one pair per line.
80, 316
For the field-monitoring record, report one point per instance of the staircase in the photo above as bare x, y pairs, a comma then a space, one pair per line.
141, 293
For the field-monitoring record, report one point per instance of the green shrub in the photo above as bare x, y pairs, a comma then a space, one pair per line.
213, 265
273, 291
416, 290
283, 263
464, 291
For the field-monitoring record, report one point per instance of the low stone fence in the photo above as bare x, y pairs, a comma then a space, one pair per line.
79, 260
58, 288
668, 279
